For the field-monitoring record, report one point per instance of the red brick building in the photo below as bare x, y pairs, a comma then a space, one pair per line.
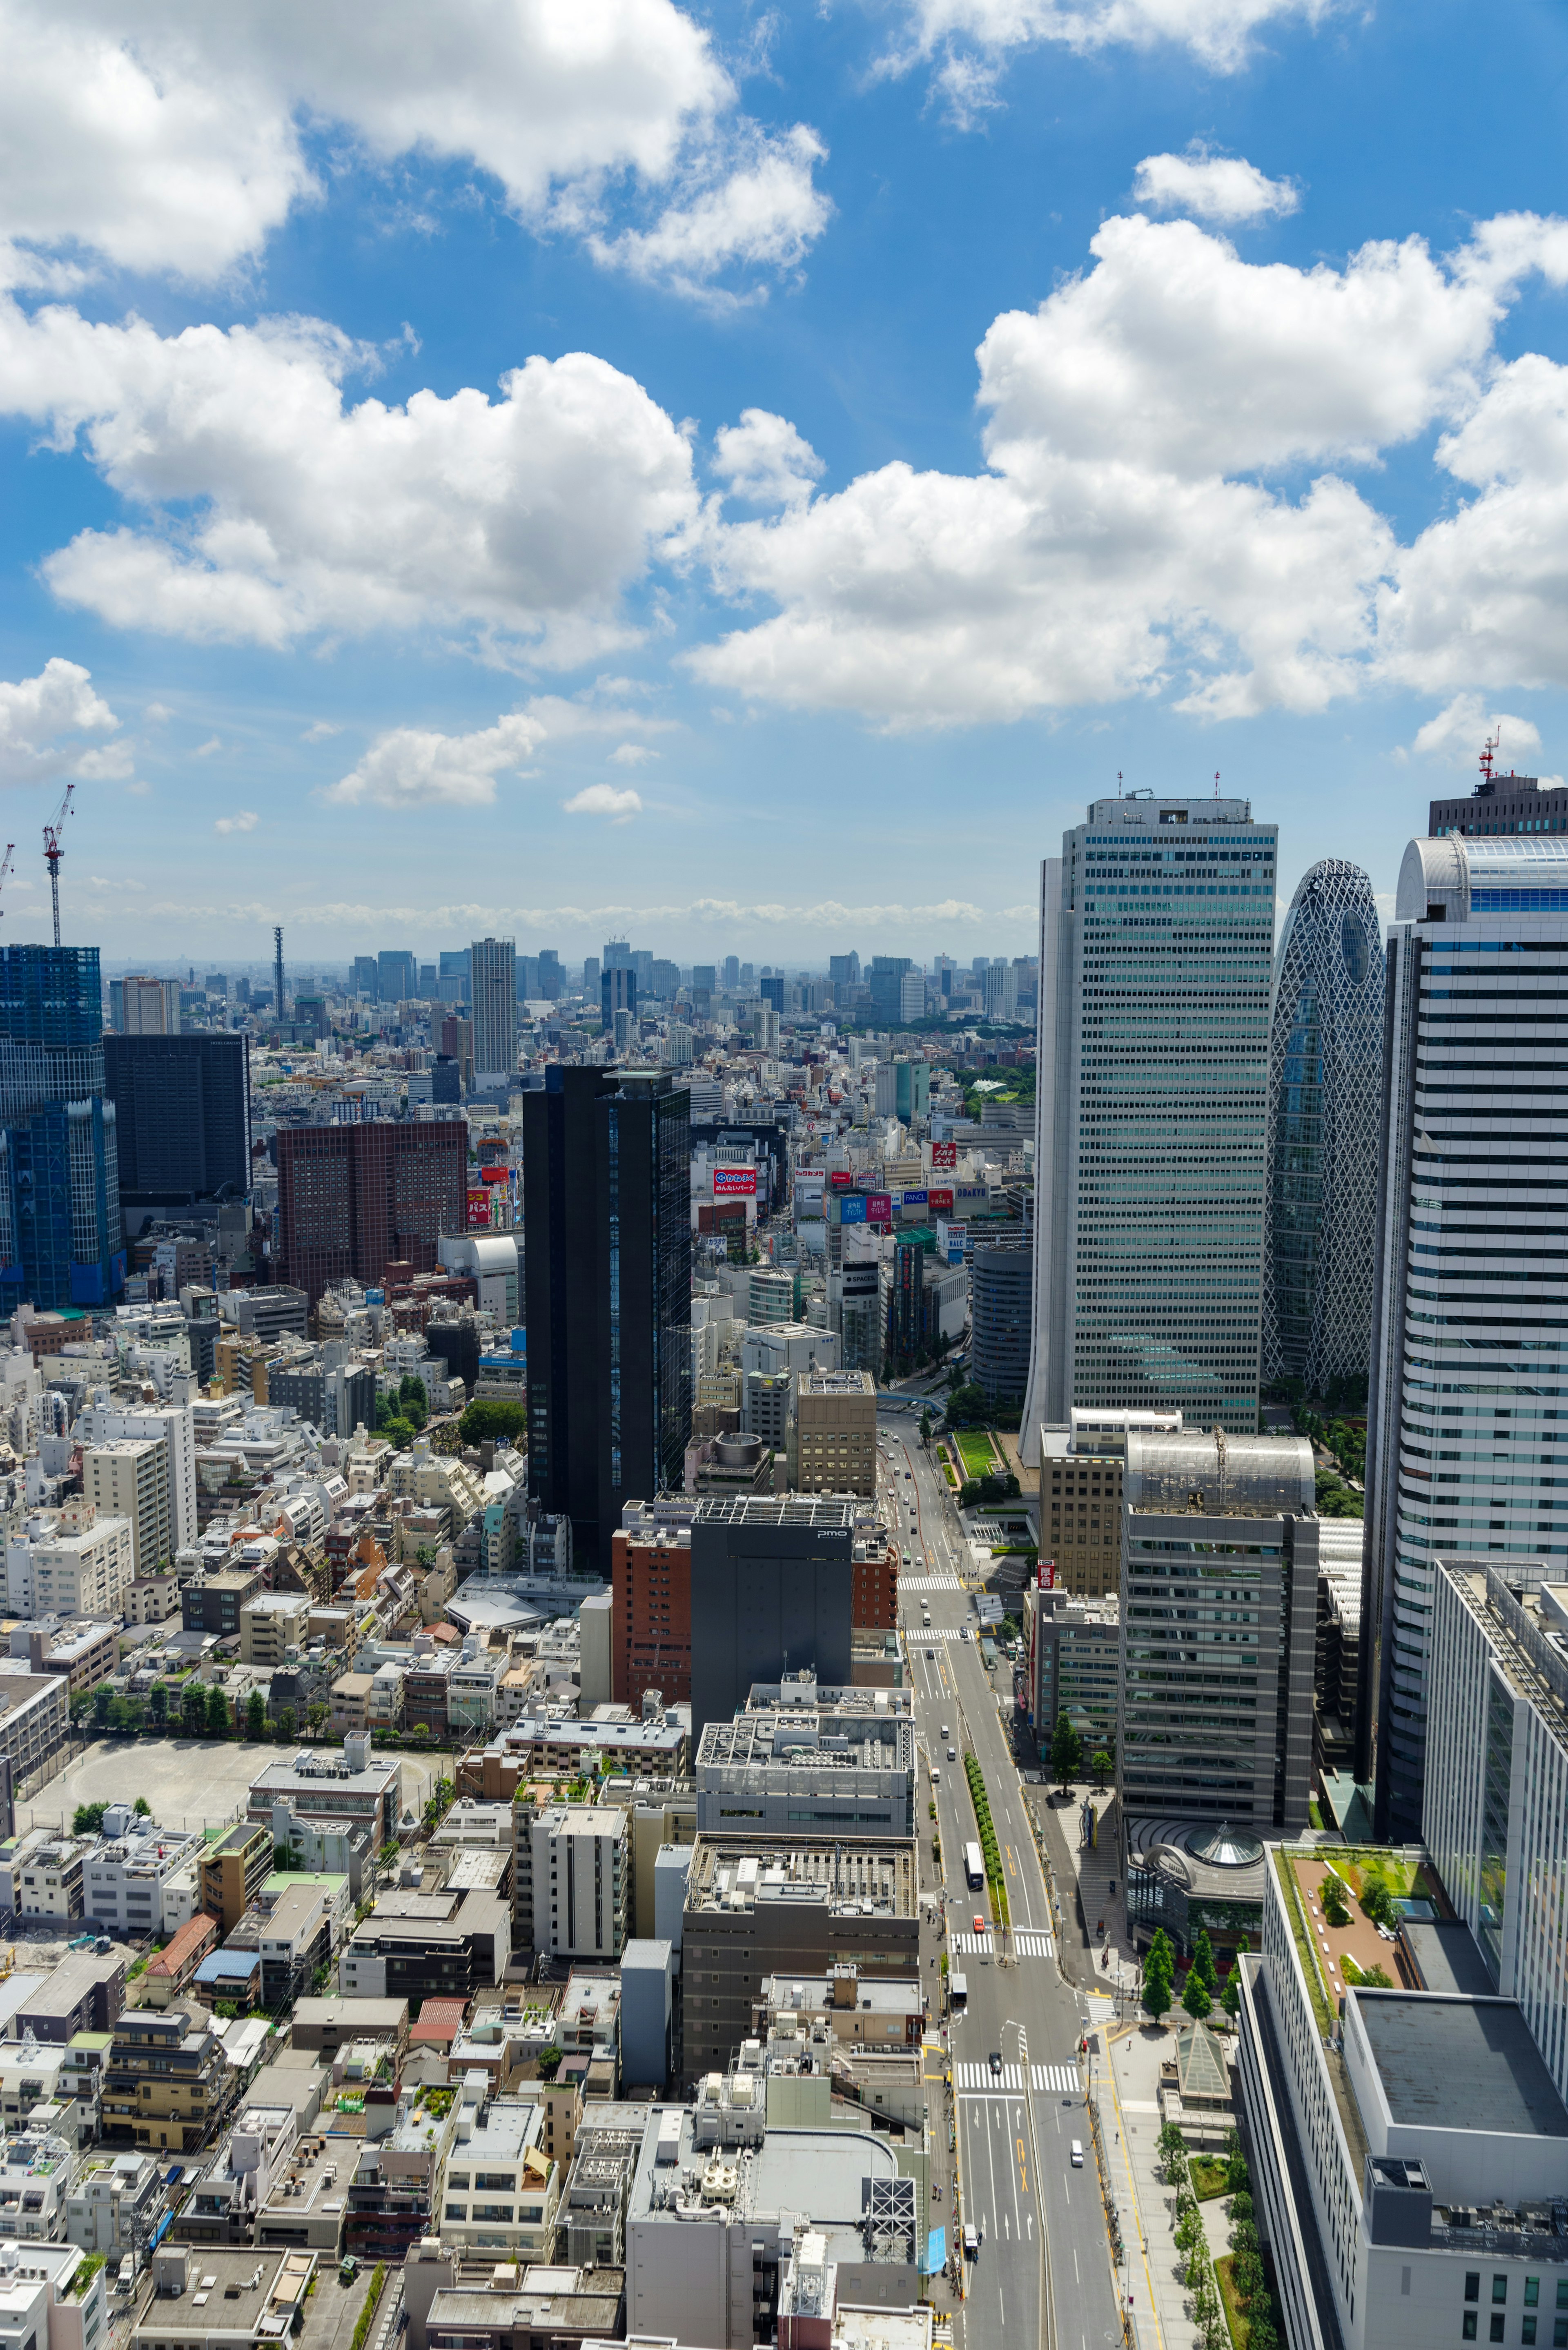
874, 1607
352, 1199
650, 1631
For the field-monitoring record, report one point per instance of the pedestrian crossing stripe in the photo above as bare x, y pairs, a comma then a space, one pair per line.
980, 2076
1026, 1944
1061, 2080
1030, 1944
930, 1583
933, 1632
972, 1945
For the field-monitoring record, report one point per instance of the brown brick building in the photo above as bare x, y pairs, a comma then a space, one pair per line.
353, 1200
650, 1624
874, 1598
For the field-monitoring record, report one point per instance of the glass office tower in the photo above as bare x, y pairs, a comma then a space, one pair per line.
1471, 1326
1151, 1156
61, 1236
1326, 1077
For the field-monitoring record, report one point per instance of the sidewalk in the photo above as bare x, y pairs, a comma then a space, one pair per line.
1130, 2112
1083, 1880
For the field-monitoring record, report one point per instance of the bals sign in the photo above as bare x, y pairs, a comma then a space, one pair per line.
734, 1182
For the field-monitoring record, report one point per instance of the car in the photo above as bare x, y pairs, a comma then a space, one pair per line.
980, 1925
1077, 2154
952, 1754
947, 1730
996, 2064
931, 1652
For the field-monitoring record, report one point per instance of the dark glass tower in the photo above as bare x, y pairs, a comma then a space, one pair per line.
608, 1280
1325, 1068
61, 1239
184, 1105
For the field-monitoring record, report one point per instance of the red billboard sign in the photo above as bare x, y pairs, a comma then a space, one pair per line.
841, 1178
942, 1204
878, 1207
496, 1175
479, 1211
944, 1154
734, 1182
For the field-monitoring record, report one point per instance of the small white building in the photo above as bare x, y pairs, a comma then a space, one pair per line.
126, 1875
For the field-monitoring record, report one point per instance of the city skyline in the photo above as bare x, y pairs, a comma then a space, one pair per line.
661, 492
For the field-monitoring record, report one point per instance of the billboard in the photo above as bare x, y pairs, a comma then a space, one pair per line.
941, 1202
501, 1175
479, 1211
944, 1154
852, 1209
878, 1207
914, 1199
841, 1178
734, 1182
971, 1192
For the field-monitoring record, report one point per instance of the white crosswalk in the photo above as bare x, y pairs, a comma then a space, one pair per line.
933, 1632
972, 1945
930, 1583
1060, 2080
1031, 1944
980, 2076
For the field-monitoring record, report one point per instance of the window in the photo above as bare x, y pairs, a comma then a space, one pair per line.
1527, 2329
1532, 2292
1560, 2334
1500, 2288
1498, 2323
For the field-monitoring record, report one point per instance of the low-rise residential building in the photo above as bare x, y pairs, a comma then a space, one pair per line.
502, 2190
84, 1993
550, 1746
167, 2083
208, 2299
272, 1622
394, 2194
416, 1945
83, 1652
211, 1603
810, 1770
571, 1879
36, 2167
70, 1561
152, 1598
49, 2293
129, 1871
115, 2202
351, 1789
489, 2307
232, 1870
175, 1964
43, 1874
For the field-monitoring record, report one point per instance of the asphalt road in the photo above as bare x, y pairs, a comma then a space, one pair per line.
1042, 2275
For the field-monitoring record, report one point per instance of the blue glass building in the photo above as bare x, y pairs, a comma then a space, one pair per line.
1326, 1072
61, 1238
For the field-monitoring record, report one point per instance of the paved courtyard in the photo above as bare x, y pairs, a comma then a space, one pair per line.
190, 1783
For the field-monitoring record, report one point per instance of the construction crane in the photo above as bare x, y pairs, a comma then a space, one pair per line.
6, 861
53, 852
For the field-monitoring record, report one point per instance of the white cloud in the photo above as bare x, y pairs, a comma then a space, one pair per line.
274, 510
412, 767
43, 722
1126, 539
157, 713
971, 41
1221, 188
140, 791
246, 821
604, 799
763, 213
206, 750
764, 459
1458, 732
169, 137
632, 755
322, 732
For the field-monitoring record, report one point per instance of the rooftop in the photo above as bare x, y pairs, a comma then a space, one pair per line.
1459, 2064
873, 1877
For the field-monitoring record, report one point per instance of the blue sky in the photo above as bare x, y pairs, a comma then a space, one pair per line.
747, 477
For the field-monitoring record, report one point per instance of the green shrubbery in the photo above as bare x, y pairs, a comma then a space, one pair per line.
990, 1851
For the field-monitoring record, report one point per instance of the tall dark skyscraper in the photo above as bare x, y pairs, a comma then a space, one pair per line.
608, 1259
61, 1240
183, 1105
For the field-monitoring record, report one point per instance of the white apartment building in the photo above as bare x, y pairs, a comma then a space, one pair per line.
1406, 2150
1496, 1814
1157, 936
502, 2190
581, 1867
129, 1478
495, 1010
127, 1874
175, 1423
70, 1561
1467, 1372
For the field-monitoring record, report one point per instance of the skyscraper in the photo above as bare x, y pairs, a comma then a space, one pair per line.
886, 976
732, 970
1325, 1082
61, 1239
397, 975
352, 1199
494, 983
1151, 1159
607, 1209
617, 991
183, 1105
1468, 1370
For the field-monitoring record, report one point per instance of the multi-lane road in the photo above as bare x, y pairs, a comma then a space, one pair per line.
1042, 2275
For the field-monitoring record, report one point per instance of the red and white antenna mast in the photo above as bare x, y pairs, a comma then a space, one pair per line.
1215, 783
1489, 751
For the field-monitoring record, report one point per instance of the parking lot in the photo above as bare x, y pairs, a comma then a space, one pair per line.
190, 1783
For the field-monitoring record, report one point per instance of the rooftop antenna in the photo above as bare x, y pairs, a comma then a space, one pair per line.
53, 852
1215, 783
1119, 783
1489, 751
277, 968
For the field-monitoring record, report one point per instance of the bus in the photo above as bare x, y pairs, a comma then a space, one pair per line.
973, 1867
958, 1991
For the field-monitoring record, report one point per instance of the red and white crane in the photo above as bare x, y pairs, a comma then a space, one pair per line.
53, 852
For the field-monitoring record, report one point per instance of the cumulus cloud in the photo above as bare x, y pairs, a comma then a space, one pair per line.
157, 713
604, 799
322, 732
969, 42
171, 137
413, 766
632, 755
246, 821
1165, 504
274, 509
52, 725
764, 460
764, 212
1457, 733
1224, 188
206, 750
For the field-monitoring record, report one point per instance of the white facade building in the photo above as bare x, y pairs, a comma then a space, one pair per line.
1151, 1142
128, 1874
495, 1010
1468, 1368
70, 1562
581, 1865
175, 1422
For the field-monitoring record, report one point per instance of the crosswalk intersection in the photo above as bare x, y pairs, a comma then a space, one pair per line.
1044, 2080
1027, 1943
930, 1583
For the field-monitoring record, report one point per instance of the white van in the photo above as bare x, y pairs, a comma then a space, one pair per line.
936, 1774
1077, 2154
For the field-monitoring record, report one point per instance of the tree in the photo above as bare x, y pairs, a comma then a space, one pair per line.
143, 1808
1102, 1765
1377, 1902
1335, 1907
413, 1402
194, 1708
1196, 1996
549, 2063
219, 1719
100, 1702
1066, 1751
88, 1819
158, 1702
287, 1723
1158, 1975
255, 1715
926, 1424
314, 1716
492, 1420
1376, 1979
1231, 1997
1203, 1962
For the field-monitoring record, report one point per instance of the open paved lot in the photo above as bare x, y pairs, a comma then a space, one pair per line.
190, 1783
